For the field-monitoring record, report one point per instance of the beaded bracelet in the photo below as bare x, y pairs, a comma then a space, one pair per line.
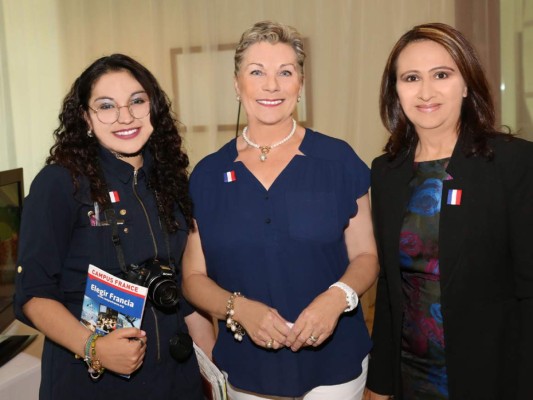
95, 366
88, 346
234, 326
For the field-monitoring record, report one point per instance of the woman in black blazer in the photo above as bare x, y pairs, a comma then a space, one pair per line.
452, 202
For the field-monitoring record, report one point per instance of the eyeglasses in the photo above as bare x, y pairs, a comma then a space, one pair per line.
108, 112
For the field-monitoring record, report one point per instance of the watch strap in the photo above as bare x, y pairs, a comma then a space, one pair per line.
352, 300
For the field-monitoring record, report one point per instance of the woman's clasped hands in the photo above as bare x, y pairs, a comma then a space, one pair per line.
268, 329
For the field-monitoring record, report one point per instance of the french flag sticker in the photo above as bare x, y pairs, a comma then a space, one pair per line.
229, 176
114, 197
454, 197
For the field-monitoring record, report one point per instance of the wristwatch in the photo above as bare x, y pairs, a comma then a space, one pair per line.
351, 297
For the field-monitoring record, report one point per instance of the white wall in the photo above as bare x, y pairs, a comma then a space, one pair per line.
516, 20
49, 42
34, 83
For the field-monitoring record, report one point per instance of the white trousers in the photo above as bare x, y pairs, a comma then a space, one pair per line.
352, 390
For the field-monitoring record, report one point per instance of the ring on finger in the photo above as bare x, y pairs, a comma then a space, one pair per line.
313, 338
269, 343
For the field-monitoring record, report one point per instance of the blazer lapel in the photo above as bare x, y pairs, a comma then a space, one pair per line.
455, 202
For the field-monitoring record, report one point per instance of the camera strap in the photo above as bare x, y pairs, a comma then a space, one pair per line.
112, 220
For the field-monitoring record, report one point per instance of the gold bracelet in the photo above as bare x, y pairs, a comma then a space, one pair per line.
234, 326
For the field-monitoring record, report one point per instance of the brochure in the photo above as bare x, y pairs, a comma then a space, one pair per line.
213, 379
111, 303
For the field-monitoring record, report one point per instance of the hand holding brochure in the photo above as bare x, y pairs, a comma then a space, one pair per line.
213, 379
111, 303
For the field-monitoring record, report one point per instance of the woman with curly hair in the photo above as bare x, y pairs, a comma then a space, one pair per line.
114, 194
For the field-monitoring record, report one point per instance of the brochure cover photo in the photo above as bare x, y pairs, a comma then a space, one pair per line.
111, 303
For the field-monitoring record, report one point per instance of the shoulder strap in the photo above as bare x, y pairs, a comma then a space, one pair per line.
112, 219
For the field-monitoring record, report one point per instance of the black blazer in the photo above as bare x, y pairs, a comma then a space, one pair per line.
486, 266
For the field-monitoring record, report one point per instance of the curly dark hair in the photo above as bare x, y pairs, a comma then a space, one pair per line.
477, 121
76, 151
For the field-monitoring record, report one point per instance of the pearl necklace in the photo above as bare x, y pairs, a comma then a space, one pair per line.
266, 149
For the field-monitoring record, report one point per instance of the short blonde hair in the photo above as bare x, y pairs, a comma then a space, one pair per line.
272, 32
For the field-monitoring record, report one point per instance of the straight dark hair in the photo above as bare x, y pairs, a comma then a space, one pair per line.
477, 120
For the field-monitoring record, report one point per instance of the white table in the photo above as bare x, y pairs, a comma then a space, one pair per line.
21, 376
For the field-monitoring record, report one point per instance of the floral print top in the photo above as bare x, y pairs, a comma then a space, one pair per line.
423, 363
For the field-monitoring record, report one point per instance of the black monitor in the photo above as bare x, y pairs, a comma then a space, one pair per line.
11, 197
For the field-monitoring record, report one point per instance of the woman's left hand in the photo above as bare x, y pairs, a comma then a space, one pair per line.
317, 321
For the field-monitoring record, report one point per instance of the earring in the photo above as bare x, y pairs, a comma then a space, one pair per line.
299, 98
238, 98
90, 133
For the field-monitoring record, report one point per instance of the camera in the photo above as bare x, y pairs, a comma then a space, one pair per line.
160, 279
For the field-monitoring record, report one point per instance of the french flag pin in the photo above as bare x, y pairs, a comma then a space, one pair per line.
115, 198
229, 176
454, 197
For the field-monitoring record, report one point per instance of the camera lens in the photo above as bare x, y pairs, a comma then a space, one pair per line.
164, 292
160, 279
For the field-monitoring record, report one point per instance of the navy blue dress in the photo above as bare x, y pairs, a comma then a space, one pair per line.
283, 246
57, 244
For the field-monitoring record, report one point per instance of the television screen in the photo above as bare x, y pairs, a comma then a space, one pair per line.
11, 197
